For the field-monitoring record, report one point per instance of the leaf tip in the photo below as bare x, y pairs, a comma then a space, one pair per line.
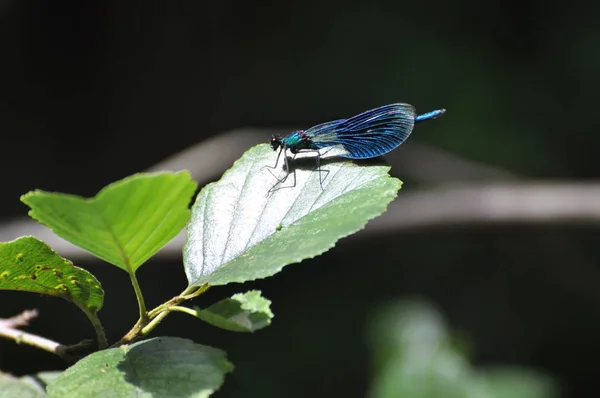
26, 196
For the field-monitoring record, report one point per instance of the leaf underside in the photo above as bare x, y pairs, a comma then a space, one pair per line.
240, 232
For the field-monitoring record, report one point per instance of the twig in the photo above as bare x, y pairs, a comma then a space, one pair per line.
527, 202
21, 320
9, 329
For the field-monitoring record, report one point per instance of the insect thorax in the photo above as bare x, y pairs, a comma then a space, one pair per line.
298, 140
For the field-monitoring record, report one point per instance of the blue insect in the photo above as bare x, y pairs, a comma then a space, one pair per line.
367, 135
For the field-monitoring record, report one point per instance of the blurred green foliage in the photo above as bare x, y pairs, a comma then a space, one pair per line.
415, 356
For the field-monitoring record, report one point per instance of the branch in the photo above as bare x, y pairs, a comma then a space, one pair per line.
505, 199
531, 202
9, 328
493, 203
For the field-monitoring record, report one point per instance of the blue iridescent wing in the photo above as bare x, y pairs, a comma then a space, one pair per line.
324, 128
368, 135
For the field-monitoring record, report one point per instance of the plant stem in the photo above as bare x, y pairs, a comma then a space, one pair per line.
93, 317
186, 310
153, 323
189, 293
139, 296
131, 335
191, 289
156, 315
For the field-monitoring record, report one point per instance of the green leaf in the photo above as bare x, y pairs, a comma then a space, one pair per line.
42, 379
159, 367
48, 376
243, 312
238, 232
514, 382
28, 264
11, 387
416, 357
126, 223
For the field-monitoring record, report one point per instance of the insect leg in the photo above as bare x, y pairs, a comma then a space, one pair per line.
276, 161
318, 162
319, 168
280, 181
287, 169
269, 168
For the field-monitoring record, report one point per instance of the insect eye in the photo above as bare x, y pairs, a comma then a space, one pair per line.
275, 143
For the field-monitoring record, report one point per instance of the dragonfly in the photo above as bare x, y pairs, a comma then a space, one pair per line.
367, 135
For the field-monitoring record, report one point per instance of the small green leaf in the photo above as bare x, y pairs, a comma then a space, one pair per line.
238, 232
159, 367
28, 264
126, 223
11, 387
243, 312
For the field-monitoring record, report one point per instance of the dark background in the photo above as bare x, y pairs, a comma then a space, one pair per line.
91, 92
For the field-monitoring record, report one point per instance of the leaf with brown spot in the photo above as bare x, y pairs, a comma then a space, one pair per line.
28, 264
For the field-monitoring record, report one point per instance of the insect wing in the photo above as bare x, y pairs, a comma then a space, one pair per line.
323, 129
369, 134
